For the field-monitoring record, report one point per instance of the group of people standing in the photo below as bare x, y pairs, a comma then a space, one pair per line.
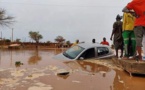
128, 34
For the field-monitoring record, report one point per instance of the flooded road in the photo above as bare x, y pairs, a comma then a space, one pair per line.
37, 70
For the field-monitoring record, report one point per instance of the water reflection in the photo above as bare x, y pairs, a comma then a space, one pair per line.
59, 50
123, 81
89, 67
11, 57
83, 75
35, 58
10, 53
119, 80
0, 56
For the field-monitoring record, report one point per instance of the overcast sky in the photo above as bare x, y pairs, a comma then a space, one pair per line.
72, 19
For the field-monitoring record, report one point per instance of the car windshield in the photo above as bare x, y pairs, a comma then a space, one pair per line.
73, 52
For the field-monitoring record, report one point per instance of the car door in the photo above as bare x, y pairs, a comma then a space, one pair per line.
88, 54
102, 52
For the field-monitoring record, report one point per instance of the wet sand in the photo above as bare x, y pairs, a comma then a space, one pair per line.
37, 70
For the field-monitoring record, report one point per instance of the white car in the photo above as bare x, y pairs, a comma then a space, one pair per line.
86, 51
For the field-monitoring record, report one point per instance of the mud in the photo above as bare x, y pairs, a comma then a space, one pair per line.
37, 70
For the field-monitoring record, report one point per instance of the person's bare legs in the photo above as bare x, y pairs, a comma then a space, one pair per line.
117, 53
139, 52
121, 53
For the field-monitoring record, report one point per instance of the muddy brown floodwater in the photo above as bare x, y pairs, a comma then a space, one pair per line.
37, 70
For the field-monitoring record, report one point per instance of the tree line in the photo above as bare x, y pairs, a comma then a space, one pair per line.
6, 20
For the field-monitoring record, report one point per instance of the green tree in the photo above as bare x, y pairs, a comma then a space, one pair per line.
4, 19
59, 40
7, 40
36, 37
48, 41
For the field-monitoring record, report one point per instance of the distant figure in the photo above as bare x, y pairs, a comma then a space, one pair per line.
117, 33
77, 41
104, 42
93, 41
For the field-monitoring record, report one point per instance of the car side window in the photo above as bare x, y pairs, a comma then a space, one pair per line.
102, 51
90, 53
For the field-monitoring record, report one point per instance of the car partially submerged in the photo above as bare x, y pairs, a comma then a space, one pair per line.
86, 51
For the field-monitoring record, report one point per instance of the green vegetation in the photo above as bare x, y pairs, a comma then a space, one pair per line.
36, 37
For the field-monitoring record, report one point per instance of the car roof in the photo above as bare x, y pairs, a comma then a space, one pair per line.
89, 45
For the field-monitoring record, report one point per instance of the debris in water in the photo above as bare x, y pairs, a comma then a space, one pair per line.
18, 63
63, 73
121, 81
76, 81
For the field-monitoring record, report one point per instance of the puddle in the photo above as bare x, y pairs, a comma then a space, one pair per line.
37, 70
